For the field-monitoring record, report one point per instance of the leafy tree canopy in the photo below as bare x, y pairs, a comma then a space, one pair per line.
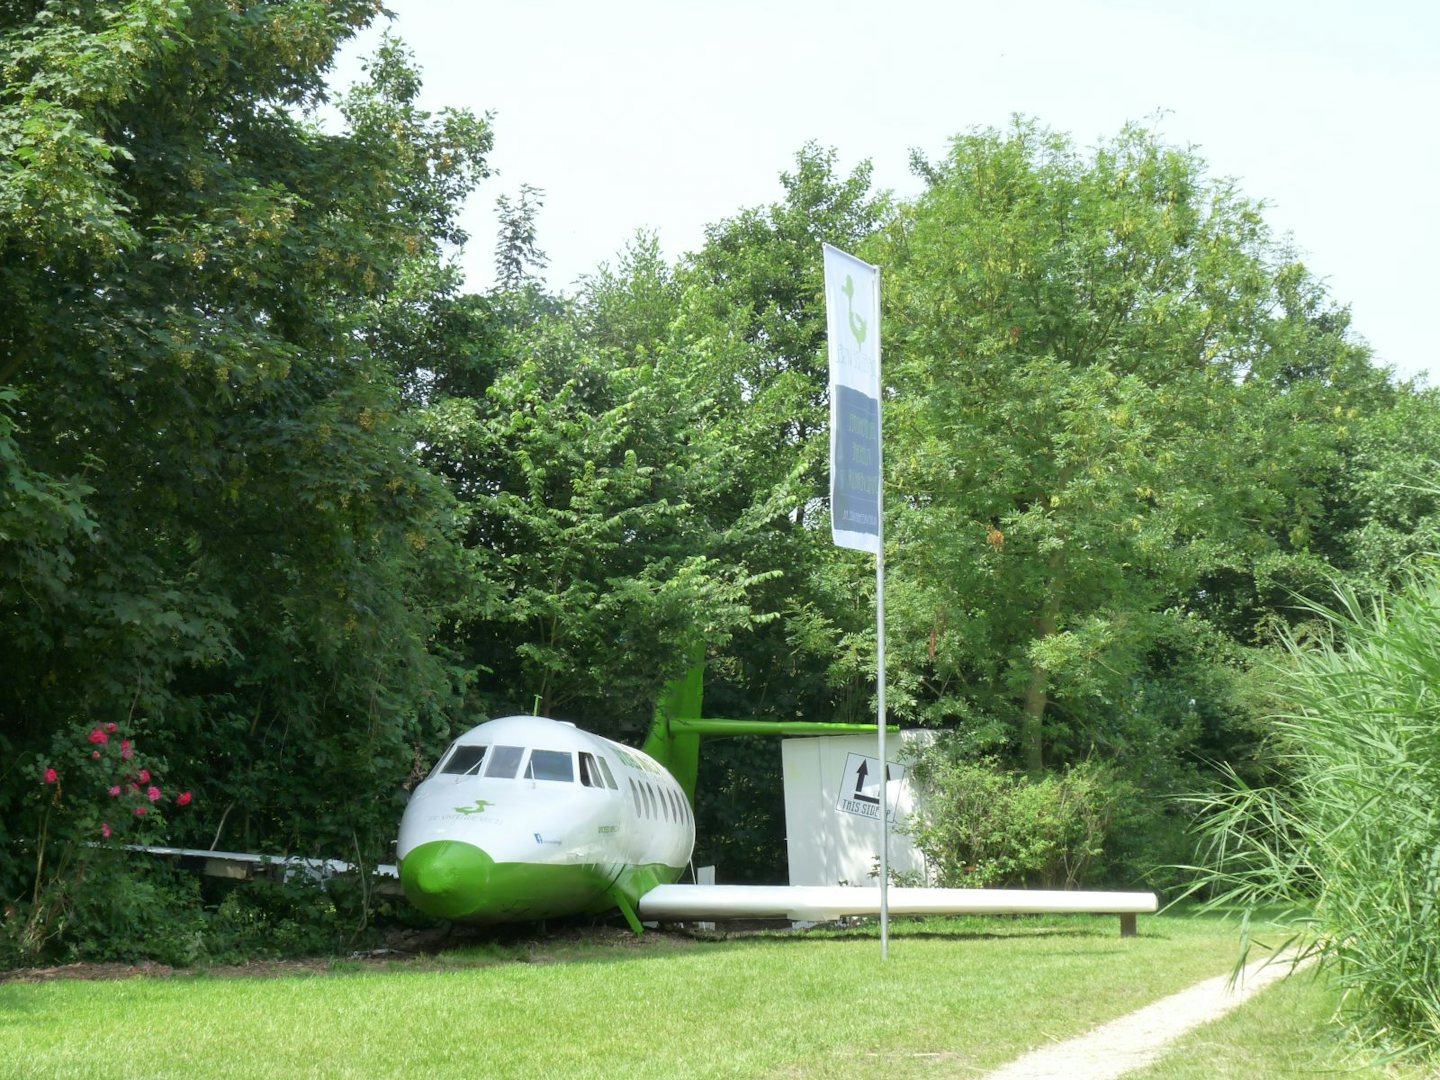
1108, 382
217, 522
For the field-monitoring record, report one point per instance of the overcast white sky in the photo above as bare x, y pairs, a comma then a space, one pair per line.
672, 114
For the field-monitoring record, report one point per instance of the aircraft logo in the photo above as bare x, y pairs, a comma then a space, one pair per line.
478, 807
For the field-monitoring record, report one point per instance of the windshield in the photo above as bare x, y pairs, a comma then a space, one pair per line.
505, 762
465, 761
550, 765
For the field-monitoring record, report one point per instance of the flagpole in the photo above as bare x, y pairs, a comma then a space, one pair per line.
880, 648
856, 386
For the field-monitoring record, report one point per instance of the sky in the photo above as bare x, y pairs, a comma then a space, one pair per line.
669, 115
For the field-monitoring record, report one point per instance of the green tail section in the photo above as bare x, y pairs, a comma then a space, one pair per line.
674, 738
680, 753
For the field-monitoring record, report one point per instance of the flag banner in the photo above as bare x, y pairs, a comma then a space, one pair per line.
852, 318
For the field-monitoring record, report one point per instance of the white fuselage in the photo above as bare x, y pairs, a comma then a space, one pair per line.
562, 817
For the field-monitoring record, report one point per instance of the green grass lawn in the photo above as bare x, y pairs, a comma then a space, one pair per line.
955, 998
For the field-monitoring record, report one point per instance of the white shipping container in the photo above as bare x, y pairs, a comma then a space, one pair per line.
832, 808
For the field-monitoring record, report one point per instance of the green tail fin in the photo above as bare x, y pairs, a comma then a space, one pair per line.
678, 753
674, 737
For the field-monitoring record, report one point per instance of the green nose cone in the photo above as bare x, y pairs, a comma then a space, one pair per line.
446, 878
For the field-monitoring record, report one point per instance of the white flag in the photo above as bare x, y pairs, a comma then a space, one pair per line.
852, 317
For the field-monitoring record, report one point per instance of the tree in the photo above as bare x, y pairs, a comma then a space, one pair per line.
752, 327
1391, 509
1083, 353
587, 470
228, 536
759, 276
517, 257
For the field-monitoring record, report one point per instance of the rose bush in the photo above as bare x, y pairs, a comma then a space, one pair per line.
92, 794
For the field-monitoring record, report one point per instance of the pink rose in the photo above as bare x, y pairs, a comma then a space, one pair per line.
51, 776
112, 728
99, 737
115, 792
141, 811
144, 776
135, 788
94, 755
153, 794
126, 750
105, 829
183, 799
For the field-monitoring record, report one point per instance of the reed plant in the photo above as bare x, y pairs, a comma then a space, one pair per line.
1348, 843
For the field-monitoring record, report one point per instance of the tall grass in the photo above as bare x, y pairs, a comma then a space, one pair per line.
1350, 843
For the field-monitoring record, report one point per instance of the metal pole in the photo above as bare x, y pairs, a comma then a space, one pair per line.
880, 644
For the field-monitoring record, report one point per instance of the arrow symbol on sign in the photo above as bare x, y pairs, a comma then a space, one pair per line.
860, 775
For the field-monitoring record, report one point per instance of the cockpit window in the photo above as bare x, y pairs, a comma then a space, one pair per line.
551, 765
589, 771
465, 761
609, 776
504, 762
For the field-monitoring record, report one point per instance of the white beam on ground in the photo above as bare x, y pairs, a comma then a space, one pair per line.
820, 903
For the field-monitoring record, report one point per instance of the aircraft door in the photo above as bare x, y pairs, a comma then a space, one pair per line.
595, 772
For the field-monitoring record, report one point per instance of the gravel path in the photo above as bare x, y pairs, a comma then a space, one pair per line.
1114, 1049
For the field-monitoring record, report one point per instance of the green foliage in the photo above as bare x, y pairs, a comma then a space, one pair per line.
127, 911
590, 474
41, 521
981, 825
88, 795
1393, 506
517, 256
1087, 353
740, 811
761, 276
1348, 842
212, 508
268, 481
752, 329
265, 920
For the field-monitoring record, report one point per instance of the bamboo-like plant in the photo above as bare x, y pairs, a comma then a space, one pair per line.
1349, 845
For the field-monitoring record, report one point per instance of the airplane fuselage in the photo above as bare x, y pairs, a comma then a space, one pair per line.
526, 818
529, 818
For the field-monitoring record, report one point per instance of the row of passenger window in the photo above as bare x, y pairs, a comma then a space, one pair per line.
654, 802
638, 762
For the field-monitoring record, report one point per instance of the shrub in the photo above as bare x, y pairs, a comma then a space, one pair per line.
90, 795
267, 920
978, 824
127, 908
88, 898
1349, 845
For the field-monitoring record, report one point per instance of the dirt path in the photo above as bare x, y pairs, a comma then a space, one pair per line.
1114, 1049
